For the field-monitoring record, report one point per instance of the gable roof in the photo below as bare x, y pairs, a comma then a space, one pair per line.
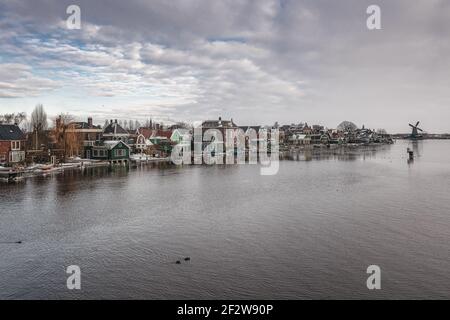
112, 144
82, 125
161, 134
146, 132
181, 131
11, 132
115, 128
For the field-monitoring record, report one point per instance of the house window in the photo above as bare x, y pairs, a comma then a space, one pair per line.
120, 153
15, 145
16, 156
95, 153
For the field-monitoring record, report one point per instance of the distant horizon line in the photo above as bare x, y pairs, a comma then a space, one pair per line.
167, 120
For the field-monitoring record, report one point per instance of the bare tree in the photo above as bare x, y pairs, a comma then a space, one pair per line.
65, 135
39, 121
26, 126
19, 117
8, 117
13, 118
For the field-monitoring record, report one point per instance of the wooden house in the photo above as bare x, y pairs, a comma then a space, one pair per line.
143, 144
114, 131
112, 151
180, 135
79, 136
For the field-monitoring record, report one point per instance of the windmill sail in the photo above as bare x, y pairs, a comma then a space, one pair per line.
415, 131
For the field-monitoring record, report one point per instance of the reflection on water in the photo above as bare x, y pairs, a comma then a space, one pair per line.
344, 153
414, 147
308, 232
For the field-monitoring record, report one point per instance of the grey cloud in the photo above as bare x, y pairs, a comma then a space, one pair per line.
17, 80
258, 61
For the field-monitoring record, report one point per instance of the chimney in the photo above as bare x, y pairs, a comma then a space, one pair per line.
110, 121
115, 120
220, 118
90, 122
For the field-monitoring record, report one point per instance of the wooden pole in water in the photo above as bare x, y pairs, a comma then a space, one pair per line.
410, 153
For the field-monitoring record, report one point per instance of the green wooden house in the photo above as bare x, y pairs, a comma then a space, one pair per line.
113, 151
178, 135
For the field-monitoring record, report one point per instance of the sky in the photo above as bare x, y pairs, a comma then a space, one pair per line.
256, 61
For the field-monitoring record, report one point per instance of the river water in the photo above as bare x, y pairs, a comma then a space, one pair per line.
309, 231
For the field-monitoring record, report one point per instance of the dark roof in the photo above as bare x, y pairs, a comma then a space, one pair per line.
11, 132
219, 124
114, 128
113, 144
245, 128
83, 125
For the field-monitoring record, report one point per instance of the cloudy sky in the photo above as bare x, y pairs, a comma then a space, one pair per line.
255, 61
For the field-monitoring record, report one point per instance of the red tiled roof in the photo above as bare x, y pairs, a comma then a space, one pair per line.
146, 132
162, 133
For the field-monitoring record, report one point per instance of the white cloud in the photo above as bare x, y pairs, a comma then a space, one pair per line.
258, 61
17, 80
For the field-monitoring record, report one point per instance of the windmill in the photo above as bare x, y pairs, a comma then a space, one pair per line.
415, 131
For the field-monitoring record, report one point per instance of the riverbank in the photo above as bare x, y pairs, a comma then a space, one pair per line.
287, 152
19, 174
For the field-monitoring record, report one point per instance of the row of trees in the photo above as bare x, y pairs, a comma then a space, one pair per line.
38, 120
12, 118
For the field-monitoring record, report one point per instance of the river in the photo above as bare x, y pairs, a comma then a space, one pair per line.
308, 232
